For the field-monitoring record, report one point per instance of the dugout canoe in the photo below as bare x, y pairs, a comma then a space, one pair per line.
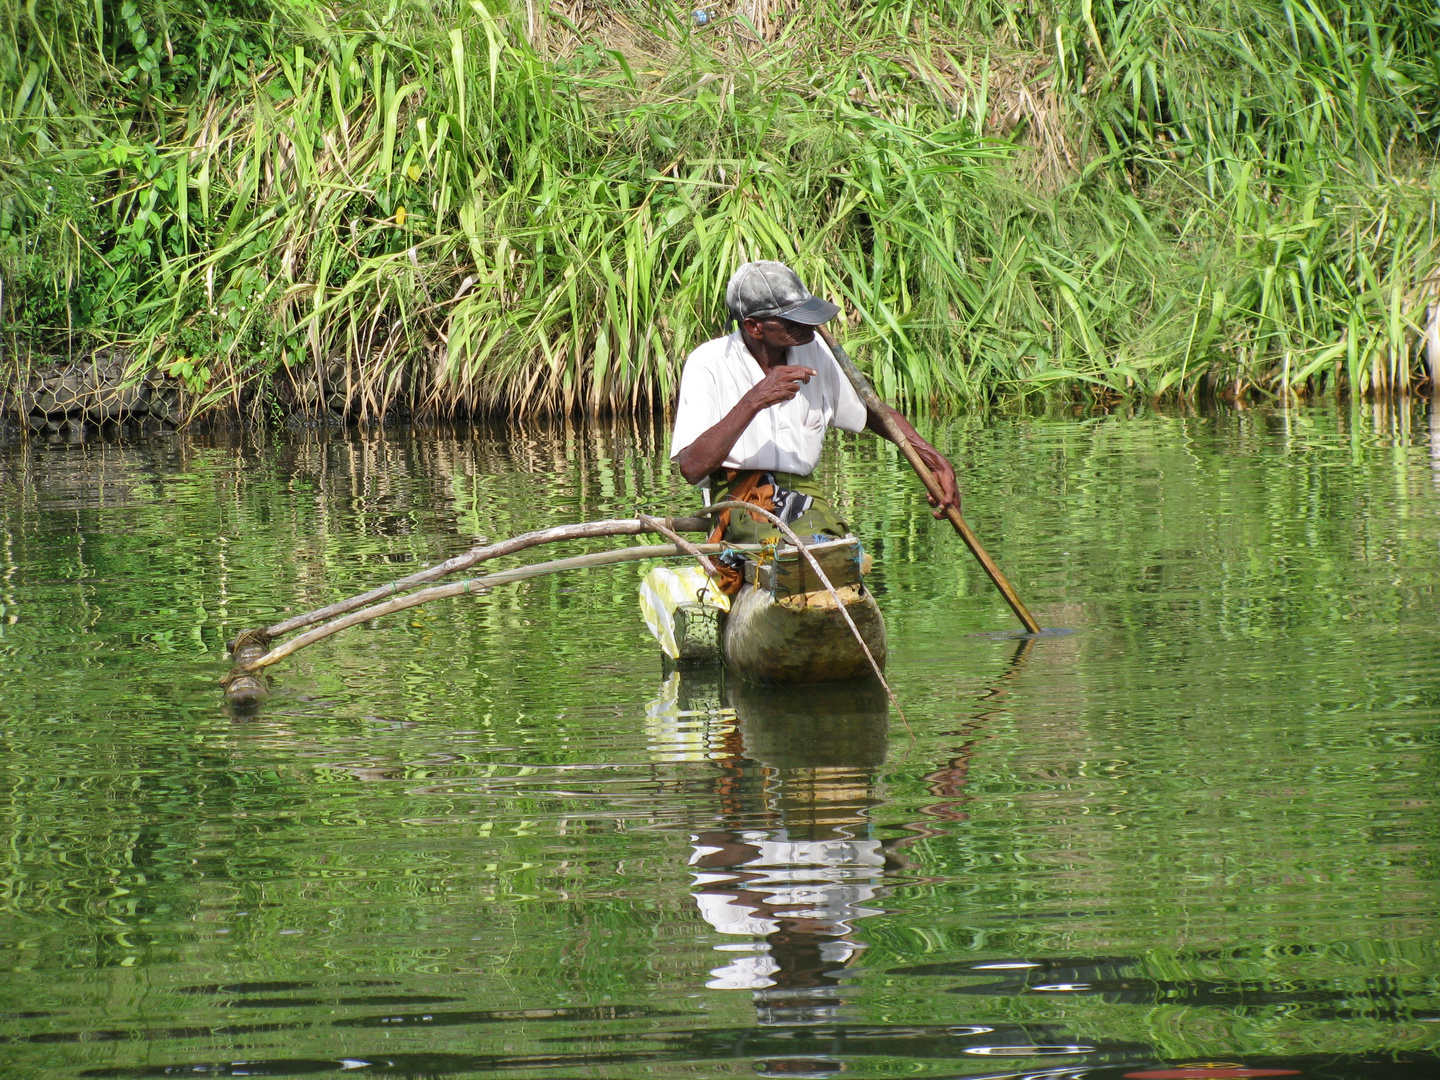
782, 627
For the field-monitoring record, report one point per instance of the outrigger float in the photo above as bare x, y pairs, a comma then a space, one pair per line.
786, 625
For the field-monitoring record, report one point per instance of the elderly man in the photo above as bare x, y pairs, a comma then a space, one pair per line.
755, 405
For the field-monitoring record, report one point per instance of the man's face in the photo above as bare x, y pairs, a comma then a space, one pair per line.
779, 333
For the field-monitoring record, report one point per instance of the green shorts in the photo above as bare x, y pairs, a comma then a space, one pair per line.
818, 521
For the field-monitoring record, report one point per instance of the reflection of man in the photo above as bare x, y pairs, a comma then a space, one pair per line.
755, 405
792, 866
800, 894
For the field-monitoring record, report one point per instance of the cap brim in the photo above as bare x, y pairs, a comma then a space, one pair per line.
811, 312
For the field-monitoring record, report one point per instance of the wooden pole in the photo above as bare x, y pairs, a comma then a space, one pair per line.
481, 553
471, 586
658, 525
878, 408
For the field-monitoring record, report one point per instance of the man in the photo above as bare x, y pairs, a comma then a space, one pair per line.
754, 407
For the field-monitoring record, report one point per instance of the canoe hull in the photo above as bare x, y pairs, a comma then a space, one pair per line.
802, 638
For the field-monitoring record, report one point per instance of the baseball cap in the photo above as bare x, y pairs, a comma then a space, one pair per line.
765, 289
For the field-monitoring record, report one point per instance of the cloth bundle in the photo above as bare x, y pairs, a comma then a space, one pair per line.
794, 499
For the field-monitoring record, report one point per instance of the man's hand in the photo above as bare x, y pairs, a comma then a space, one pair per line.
779, 385
944, 473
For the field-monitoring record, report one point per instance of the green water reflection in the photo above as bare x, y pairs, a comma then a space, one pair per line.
491, 836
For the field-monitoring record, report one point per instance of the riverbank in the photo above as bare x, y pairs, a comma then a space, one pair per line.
1382, 418
466, 209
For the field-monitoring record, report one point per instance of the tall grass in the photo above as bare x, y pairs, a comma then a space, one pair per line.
468, 207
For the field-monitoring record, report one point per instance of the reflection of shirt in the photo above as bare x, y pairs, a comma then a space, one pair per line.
783, 438
753, 972
825, 880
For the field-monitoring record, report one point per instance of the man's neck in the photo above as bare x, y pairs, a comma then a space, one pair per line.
766, 356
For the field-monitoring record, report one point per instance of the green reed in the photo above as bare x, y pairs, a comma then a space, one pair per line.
473, 208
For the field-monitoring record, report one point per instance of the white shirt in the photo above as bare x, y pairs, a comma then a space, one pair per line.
786, 437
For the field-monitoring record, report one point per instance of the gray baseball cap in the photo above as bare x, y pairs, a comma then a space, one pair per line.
763, 290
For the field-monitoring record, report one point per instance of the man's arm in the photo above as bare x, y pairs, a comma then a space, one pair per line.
706, 454
944, 472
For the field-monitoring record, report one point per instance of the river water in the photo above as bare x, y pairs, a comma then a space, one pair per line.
1194, 837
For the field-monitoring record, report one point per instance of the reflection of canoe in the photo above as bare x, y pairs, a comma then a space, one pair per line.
704, 712
783, 626
815, 727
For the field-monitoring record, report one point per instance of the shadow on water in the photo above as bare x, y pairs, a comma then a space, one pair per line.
1126, 980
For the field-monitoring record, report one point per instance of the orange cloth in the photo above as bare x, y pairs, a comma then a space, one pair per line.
746, 487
